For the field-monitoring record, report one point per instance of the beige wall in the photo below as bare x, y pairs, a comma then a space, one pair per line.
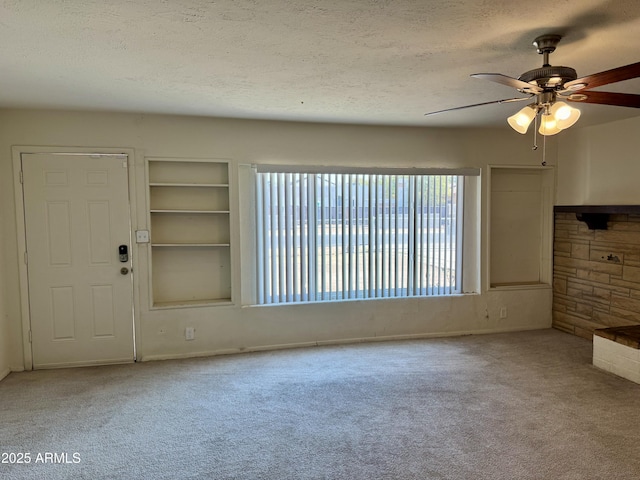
600, 165
237, 328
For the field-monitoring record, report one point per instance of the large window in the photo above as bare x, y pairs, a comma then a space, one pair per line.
335, 236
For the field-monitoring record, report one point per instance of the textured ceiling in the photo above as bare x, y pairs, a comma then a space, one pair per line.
347, 61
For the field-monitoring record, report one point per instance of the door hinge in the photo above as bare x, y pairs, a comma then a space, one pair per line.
30, 337
21, 177
26, 258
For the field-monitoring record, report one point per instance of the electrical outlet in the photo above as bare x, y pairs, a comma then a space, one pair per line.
190, 333
503, 312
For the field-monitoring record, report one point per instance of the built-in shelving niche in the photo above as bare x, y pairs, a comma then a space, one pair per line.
189, 217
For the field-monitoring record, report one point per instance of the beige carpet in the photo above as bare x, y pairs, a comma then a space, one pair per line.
511, 406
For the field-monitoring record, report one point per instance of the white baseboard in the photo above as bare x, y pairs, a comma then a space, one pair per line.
346, 341
4, 373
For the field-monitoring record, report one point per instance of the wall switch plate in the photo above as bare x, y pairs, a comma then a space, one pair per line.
190, 333
503, 312
142, 236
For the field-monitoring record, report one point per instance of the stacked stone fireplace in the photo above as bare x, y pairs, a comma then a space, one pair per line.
596, 280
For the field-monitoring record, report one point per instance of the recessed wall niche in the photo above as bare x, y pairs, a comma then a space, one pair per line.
189, 216
520, 226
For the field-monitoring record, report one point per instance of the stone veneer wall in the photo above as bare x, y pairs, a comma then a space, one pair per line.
596, 274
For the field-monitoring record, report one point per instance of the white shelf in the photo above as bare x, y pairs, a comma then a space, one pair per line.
190, 244
193, 303
206, 185
189, 211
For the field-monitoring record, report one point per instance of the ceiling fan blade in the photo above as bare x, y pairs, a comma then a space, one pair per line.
506, 100
604, 78
606, 98
509, 82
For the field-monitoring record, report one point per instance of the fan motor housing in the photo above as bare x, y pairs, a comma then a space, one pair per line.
549, 77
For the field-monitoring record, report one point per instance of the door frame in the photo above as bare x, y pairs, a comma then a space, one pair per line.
17, 152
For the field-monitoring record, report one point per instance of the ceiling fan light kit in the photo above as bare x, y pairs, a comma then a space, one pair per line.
554, 117
548, 83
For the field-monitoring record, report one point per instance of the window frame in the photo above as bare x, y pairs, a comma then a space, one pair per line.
468, 245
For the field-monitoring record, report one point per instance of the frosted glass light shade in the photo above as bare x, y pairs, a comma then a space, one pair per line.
520, 121
564, 114
548, 125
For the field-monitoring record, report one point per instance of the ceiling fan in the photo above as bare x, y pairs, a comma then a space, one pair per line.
549, 85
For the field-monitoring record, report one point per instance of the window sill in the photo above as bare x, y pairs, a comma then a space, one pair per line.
354, 300
520, 286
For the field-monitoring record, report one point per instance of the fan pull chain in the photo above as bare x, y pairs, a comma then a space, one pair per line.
535, 142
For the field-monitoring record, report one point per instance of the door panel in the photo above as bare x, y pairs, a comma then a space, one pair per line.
76, 216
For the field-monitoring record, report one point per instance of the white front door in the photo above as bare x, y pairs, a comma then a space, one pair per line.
80, 293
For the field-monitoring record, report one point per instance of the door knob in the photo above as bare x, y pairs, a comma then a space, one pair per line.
124, 270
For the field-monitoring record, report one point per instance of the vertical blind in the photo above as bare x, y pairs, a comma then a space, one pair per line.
335, 236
